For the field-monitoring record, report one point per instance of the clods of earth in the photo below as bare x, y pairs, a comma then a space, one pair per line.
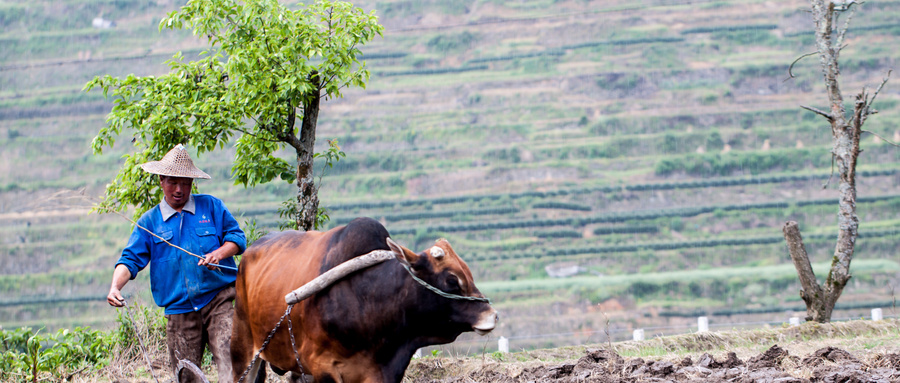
829, 364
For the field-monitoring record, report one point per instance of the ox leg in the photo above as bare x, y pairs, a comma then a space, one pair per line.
305, 378
257, 373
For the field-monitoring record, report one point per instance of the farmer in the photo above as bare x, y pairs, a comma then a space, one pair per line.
198, 300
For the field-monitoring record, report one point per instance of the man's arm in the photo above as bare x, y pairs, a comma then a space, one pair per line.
121, 276
227, 250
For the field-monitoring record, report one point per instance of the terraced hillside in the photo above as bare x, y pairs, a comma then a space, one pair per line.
655, 148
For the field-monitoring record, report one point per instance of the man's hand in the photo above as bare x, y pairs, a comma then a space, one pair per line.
120, 277
115, 298
228, 250
211, 259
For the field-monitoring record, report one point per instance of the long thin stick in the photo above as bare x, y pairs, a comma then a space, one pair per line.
170, 243
140, 342
89, 199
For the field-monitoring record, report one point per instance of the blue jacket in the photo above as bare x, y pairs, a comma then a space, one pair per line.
177, 282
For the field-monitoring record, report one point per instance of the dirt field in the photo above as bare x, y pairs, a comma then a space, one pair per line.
842, 352
776, 364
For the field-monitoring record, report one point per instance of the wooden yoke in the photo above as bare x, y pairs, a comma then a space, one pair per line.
338, 272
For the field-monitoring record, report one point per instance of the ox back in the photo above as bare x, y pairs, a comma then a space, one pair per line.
363, 328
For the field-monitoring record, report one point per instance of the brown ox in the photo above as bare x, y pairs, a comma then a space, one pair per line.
363, 328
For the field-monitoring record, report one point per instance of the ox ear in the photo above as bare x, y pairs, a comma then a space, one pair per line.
405, 257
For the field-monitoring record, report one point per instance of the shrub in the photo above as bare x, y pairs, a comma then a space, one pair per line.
29, 356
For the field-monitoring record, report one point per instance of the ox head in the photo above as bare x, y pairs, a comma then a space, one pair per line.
441, 267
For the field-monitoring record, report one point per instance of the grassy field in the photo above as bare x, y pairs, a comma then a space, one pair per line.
657, 146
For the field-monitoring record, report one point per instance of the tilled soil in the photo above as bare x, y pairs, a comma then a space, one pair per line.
829, 364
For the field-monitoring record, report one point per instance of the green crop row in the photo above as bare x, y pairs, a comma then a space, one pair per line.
662, 246
680, 122
643, 40
561, 206
383, 55
720, 164
708, 183
422, 215
626, 230
513, 56
623, 216
730, 28
558, 234
766, 273
433, 71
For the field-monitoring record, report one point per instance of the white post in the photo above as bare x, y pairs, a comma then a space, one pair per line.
795, 321
876, 314
638, 334
503, 345
702, 324
418, 354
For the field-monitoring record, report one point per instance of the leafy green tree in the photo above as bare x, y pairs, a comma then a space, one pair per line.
261, 81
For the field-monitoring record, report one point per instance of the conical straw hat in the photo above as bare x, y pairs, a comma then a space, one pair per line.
176, 163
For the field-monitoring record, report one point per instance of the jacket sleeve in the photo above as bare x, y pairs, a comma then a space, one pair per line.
136, 254
231, 230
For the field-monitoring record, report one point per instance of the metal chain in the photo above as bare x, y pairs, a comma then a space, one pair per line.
294, 346
441, 293
287, 313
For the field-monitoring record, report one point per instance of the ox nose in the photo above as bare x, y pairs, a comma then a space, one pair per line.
487, 323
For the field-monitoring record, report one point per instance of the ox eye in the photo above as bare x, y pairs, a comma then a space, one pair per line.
453, 283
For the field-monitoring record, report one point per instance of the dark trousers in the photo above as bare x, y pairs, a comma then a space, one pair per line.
188, 334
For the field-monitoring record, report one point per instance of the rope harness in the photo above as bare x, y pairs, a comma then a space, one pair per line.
441, 293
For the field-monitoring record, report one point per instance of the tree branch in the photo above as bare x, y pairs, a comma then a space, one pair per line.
790, 68
810, 289
877, 91
828, 181
817, 111
244, 131
882, 138
843, 31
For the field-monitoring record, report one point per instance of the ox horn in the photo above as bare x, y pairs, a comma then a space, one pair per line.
340, 271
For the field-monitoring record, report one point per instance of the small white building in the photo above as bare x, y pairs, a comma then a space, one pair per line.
101, 23
563, 269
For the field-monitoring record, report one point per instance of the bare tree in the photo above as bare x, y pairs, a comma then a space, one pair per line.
846, 131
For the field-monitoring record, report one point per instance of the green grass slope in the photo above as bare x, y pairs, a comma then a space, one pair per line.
655, 147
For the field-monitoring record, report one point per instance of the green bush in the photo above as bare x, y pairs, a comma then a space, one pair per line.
455, 42
29, 356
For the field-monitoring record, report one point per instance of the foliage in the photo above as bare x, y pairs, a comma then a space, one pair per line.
137, 320
561, 205
265, 61
455, 42
730, 28
718, 164
291, 211
252, 231
26, 355
433, 71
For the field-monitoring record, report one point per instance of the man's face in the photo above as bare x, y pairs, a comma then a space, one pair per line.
177, 190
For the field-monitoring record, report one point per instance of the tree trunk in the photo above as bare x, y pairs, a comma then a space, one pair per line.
820, 300
307, 192
816, 308
845, 150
